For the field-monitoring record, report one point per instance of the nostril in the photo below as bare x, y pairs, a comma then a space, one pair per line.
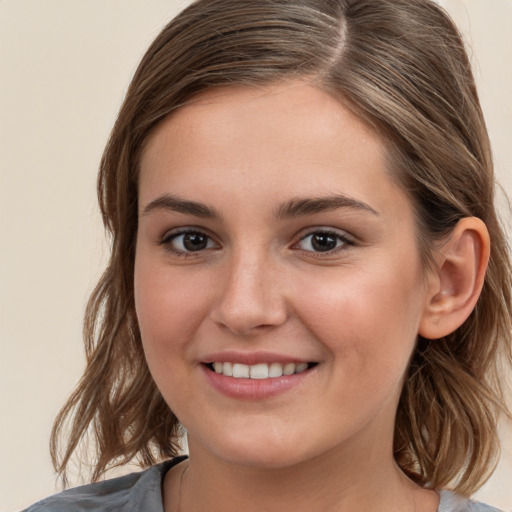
248, 303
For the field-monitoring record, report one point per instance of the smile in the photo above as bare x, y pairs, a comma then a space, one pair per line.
258, 371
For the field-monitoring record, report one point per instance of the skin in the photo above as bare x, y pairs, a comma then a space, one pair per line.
259, 285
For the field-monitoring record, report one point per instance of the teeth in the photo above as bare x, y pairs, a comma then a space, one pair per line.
275, 370
240, 371
289, 369
301, 367
227, 369
258, 371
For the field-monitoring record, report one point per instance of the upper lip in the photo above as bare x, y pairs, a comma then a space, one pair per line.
251, 358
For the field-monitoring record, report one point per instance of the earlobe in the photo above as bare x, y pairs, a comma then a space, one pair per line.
457, 280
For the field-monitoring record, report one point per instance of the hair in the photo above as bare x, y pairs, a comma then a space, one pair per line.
401, 66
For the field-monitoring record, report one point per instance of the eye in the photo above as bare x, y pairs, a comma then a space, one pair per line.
188, 241
323, 241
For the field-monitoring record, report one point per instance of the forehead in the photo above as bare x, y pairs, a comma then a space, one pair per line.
261, 131
245, 152
244, 108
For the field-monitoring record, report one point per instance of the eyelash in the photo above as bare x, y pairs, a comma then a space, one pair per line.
343, 242
169, 238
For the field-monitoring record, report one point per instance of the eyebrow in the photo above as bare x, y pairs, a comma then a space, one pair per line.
293, 208
310, 206
171, 203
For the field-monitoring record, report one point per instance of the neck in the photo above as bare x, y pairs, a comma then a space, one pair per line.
333, 482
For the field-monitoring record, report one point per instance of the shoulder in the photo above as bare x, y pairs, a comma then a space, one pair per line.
133, 492
451, 502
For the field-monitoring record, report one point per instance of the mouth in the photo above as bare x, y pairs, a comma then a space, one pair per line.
260, 371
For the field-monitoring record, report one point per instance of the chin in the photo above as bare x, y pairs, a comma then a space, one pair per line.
265, 458
264, 448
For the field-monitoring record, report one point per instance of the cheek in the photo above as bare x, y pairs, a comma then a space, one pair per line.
361, 316
170, 306
170, 309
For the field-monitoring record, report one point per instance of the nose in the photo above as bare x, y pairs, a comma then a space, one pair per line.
251, 298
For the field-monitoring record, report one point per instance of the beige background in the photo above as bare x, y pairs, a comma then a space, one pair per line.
64, 66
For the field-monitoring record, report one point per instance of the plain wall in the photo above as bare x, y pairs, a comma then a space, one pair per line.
64, 67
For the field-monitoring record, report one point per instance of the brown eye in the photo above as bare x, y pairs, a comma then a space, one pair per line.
323, 241
195, 241
189, 241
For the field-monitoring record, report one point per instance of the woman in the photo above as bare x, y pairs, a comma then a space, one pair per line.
307, 271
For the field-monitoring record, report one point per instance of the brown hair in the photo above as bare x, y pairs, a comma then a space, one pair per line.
401, 66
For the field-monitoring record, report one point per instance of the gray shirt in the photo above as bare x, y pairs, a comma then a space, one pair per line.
142, 492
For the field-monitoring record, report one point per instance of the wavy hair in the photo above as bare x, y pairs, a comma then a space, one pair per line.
401, 66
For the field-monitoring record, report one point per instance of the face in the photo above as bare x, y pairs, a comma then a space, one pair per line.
278, 285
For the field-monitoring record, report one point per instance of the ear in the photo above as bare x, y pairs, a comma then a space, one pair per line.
457, 279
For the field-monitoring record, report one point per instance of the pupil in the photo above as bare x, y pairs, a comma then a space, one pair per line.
195, 241
323, 242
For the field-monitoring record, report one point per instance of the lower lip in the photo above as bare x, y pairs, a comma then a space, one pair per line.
254, 389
